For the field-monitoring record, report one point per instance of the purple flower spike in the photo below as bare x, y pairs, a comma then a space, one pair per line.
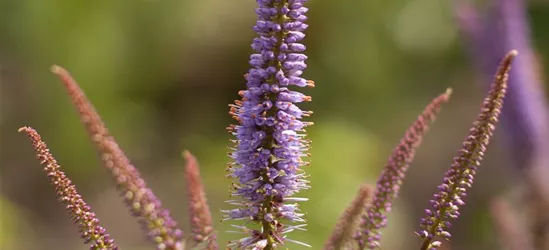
525, 115
80, 212
446, 203
392, 177
140, 199
269, 137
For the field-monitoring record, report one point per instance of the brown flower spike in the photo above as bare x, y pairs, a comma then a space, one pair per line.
201, 219
446, 203
368, 234
80, 212
139, 198
344, 229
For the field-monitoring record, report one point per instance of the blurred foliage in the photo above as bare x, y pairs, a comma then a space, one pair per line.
161, 73
8, 225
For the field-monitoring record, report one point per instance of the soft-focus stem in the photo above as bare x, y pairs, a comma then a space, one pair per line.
531, 114
509, 226
346, 223
525, 116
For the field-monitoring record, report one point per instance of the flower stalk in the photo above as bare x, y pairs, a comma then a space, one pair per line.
446, 203
343, 232
199, 211
80, 211
161, 227
388, 185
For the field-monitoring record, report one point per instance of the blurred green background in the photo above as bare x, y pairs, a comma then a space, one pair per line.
161, 73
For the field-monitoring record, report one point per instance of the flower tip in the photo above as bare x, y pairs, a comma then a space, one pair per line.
191, 166
23, 129
56, 69
186, 154
508, 59
448, 93
66, 79
189, 158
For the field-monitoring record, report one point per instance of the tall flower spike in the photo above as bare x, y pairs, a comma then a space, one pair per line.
201, 219
344, 229
139, 198
446, 203
80, 212
267, 158
368, 234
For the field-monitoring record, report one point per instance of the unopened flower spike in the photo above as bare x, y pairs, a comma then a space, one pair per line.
342, 235
199, 211
446, 203
269, 135
80, 212
368, 234
142, 202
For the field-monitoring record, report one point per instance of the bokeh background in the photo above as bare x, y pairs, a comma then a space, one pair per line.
161, 73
